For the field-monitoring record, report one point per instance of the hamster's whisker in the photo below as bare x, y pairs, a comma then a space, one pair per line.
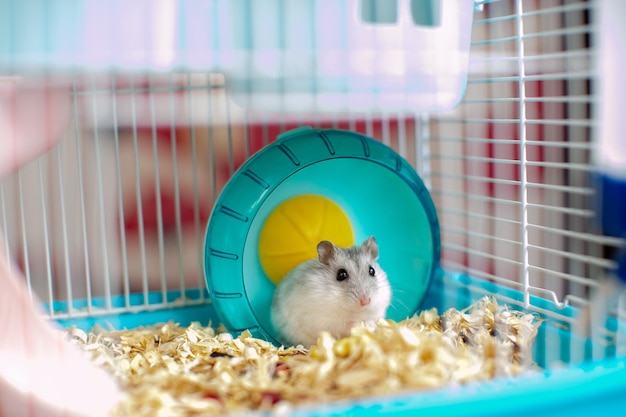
380, 285
401, 307
400, 291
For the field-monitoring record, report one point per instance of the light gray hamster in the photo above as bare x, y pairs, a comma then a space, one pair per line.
333, 292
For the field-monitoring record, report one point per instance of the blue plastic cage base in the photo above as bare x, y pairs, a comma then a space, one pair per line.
553, 344
580, 387
579, 391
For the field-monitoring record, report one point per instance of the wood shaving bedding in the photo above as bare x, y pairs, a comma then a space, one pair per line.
169, 370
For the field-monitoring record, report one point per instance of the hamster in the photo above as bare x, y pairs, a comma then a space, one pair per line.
333, 292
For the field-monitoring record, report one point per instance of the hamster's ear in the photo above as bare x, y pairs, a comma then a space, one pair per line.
325, 251
370, 247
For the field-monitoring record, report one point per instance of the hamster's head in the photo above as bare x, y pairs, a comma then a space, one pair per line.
358, 283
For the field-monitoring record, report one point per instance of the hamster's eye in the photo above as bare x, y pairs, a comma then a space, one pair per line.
372, 271
342, 275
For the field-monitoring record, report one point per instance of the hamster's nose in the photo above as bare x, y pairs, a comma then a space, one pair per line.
364, 300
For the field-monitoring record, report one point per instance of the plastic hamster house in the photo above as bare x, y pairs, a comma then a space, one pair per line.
467, 136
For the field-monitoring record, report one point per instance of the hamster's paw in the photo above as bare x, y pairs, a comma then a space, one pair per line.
370, 324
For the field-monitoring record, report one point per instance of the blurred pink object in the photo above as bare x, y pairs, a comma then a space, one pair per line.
33, 116
41, 374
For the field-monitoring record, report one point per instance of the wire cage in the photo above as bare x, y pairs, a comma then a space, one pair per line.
108, 226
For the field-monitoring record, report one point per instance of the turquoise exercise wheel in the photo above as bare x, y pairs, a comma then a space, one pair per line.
308, 186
